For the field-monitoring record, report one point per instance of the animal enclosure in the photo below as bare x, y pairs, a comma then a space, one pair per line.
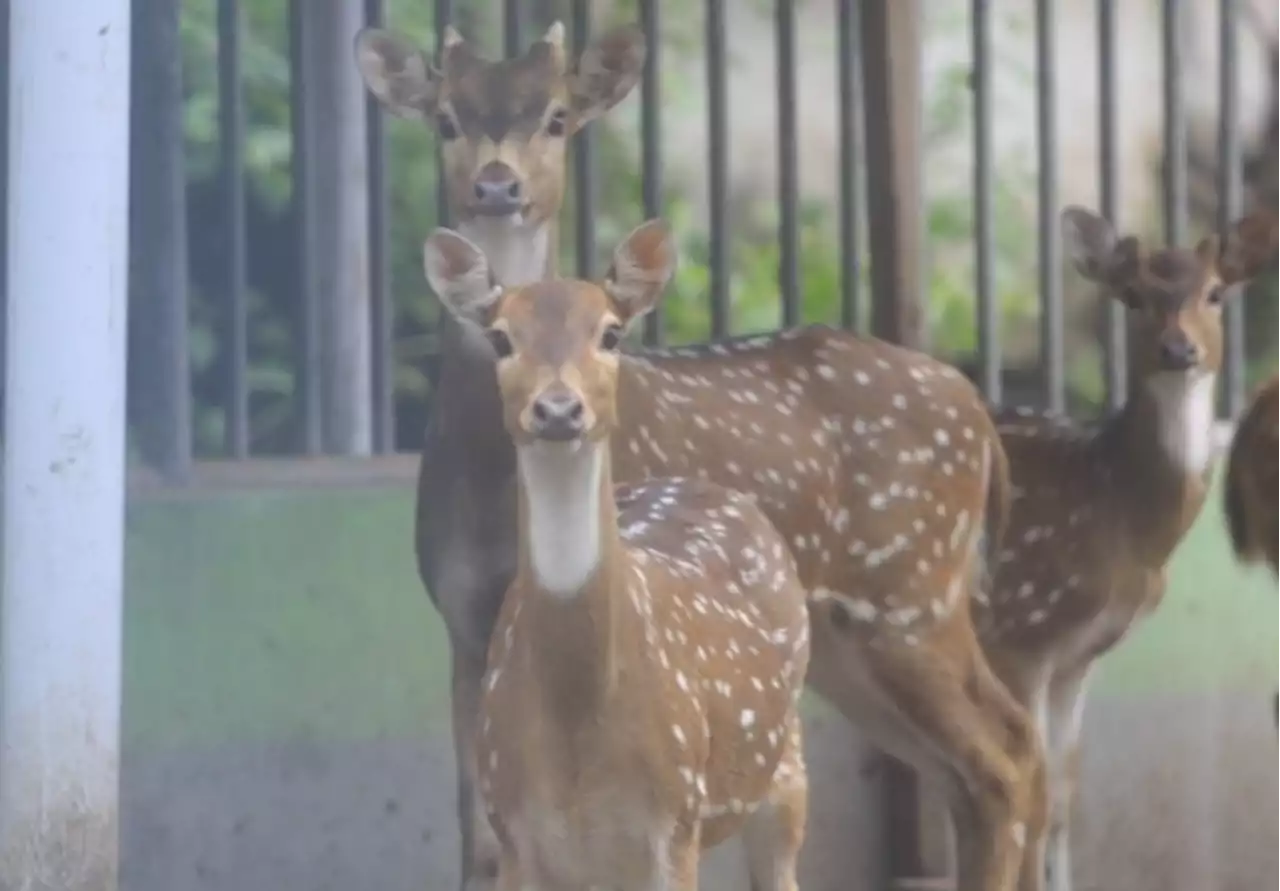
287, 717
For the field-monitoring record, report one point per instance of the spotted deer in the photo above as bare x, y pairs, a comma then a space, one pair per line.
880, 466
1097, 512
1252, 478
641, 700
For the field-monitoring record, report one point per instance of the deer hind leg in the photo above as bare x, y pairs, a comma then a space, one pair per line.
775, 833
947, 714
480, 849
1066, 708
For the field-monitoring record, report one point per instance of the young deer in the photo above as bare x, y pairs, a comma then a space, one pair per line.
1249, 490
1097, 513
641, 701
880, 466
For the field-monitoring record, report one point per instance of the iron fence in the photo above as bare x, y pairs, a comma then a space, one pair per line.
878, 201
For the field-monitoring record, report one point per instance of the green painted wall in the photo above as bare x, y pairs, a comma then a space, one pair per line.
261, 616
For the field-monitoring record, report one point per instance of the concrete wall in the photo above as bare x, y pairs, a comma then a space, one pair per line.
287, 725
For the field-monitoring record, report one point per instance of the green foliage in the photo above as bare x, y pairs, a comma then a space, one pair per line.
411, 173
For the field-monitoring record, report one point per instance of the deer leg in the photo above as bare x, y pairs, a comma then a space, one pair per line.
683, 857
775, 833
1066, 709
480, 851
987, 743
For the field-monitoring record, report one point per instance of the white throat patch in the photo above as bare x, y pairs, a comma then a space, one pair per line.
562, 490
1186, 408
516, 250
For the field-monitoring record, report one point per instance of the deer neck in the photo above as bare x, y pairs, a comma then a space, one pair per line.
468, 409
571, 563
1164, 443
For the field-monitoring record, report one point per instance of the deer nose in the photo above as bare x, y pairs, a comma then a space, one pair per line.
1178, 353
497, 190
558, 416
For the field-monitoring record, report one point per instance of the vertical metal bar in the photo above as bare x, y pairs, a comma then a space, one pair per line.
788, 188
161, 367
512, 30
651, 140
64, 462
303, 194
850, 98
1230, 193
231, 145
717, 168
984, 237
584, 165
443, 17
1175, 126
4, 184
1115, 345
382, 308
1050, 238
891, 57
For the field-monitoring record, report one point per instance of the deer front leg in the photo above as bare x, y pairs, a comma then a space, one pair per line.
480, 850
1066, 710
775, 833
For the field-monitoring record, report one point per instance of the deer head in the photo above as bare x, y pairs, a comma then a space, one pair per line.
502, 125
557, 341
1174, 295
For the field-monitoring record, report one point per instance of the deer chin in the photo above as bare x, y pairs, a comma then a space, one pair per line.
1185, 403
561, 483
517, 248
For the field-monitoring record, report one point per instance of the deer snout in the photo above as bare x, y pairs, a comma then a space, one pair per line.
558, 416
497, 190
1178, 353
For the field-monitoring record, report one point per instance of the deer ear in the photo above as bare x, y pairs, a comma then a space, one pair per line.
1089, 242
397, 74
607, 71
1249, 247
642, 265
459, 274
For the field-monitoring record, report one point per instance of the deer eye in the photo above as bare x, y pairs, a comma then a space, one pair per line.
611, 339
556, 126
500, 342
1215, 296
446, 127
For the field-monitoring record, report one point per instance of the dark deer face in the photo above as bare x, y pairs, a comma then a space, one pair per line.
502, 125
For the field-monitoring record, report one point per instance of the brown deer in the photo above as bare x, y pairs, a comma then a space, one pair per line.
1097, 513
1252, 478
641, 701
880, 466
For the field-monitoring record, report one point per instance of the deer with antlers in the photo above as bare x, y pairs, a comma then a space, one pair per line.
1097, 513
641, 701
1252, 478
881, 467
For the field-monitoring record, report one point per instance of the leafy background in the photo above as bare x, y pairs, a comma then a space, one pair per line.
273, 377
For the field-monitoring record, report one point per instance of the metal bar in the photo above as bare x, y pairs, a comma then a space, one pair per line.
651, 141
850, 99
443, 17
1230, 194
788, 186
4, 183
308, 387
512, 27
382, 308
160, 398
984, 233
891, 50
64, 463
584, 163
1051, 327
717, 168
1115, 345
231, 145
1175, 127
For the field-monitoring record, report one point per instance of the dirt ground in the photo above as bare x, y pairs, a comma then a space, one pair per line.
1179, 796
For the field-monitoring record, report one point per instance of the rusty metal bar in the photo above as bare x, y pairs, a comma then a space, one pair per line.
651, 140
984, 237
850, 98
584, 163
1230, 194
718, 168
1115, 339
788, 186
1051, 326
1175, 125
